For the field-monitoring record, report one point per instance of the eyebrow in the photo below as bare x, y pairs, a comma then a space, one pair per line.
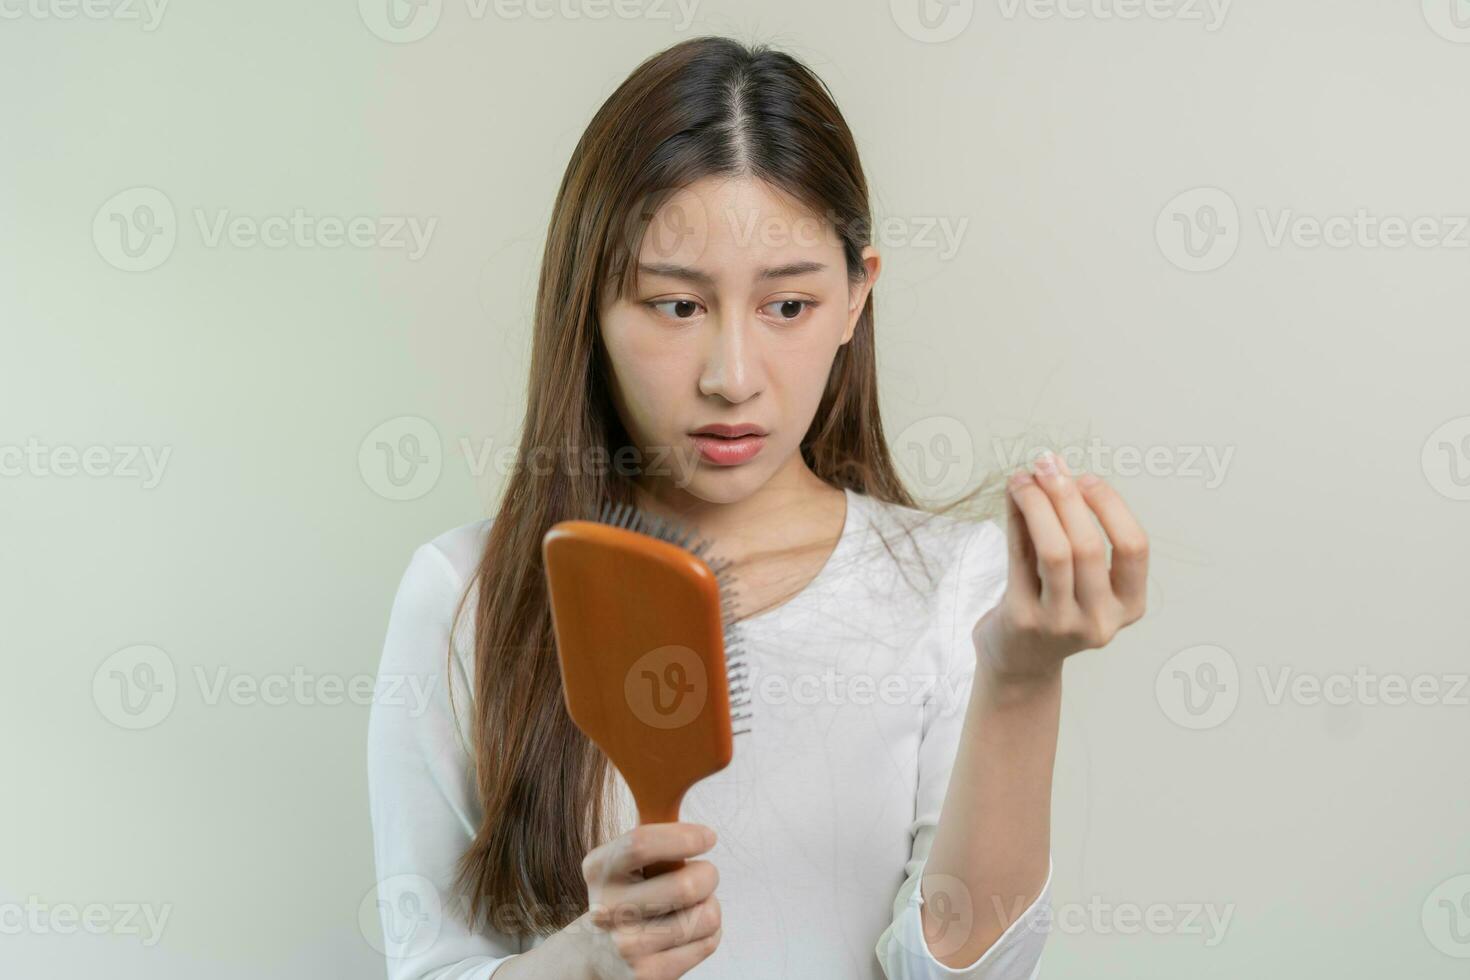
702, 278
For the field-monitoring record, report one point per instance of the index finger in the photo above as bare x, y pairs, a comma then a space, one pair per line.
653, 843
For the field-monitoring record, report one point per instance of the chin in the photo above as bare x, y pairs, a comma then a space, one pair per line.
724, 484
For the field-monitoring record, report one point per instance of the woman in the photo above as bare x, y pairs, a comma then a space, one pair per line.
704, 349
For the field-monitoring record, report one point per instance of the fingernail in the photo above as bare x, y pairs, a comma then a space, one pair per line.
1046, 464
1088, 480
1019, 479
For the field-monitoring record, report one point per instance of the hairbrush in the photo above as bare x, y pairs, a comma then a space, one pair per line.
650, 655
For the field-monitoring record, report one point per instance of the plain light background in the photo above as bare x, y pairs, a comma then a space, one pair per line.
1072, 147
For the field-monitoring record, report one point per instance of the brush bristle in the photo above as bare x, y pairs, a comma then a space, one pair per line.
631, 518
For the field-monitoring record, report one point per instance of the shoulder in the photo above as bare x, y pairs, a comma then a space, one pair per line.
431, 592
456, 552
444, 564
423, 695
963, 546
969, 559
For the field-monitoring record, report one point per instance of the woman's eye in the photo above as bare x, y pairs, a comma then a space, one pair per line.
789, 309
680, 309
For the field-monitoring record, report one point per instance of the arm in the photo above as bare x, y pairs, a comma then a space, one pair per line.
991, 849
967, 770
421, 787
423, 803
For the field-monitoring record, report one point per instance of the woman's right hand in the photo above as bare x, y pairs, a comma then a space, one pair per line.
656, 928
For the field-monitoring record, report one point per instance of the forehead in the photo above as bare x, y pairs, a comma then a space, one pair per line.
727, 225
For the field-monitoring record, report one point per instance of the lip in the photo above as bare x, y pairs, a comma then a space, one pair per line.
730, 431
728, 451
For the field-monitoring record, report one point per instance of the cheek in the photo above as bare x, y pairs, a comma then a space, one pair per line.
803, 373
649, 371
805, 355
802, 369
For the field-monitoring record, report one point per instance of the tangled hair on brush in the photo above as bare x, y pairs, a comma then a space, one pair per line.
708, 106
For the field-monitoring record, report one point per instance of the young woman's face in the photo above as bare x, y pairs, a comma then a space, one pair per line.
743, 299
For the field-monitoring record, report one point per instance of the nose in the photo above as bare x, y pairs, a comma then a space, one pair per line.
732, 362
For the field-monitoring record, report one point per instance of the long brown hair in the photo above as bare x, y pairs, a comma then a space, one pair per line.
708, 106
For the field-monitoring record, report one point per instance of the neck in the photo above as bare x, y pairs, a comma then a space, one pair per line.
793, 507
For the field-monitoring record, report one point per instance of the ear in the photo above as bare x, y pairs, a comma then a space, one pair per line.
857, 292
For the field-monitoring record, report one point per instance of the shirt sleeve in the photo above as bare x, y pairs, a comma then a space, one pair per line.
421, 789
903, 952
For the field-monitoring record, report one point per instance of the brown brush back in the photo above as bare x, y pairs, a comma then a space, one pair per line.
640, 640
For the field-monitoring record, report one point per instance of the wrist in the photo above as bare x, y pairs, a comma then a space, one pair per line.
566, 953
1000, 670
1001, 679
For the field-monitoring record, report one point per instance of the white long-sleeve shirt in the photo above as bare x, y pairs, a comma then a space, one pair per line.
825, 817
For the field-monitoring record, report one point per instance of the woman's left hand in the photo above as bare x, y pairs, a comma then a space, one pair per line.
1061, 596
